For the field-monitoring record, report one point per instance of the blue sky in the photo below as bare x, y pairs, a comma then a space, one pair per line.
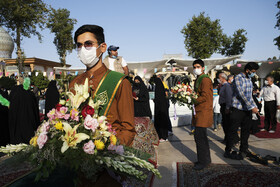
147, 29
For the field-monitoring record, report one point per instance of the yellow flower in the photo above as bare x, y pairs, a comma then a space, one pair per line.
71, 137
33, 141
59, 126
113, 139
99, 144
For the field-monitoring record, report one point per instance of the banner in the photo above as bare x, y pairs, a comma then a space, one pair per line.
145, 70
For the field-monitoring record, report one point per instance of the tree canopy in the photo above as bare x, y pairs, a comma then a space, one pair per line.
277, 39
40, 80
62, 26
22, 18
202, 36
234, 45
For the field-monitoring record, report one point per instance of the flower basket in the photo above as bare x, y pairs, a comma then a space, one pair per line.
77, 138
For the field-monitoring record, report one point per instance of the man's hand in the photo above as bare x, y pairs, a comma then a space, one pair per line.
278, 107
255, 110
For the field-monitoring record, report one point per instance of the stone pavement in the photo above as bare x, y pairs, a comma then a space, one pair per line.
181, 148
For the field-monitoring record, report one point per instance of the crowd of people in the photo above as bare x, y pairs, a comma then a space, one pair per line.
232, 102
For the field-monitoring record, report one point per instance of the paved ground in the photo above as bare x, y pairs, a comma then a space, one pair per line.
181, 148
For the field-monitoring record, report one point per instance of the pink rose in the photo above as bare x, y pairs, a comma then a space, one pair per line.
42, 139
91, 123
61, 113
89, 147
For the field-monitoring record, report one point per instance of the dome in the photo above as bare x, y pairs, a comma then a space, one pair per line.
6, 44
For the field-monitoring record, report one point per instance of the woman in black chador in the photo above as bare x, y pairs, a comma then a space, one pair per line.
4, 124
23, 114
141, 99
52, 97
162, 120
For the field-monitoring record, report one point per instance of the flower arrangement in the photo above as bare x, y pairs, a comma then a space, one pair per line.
183, 94
75, 136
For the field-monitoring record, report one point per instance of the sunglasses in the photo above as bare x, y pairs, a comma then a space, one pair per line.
87, 44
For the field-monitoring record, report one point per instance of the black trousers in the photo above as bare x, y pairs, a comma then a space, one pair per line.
225, 120
202, 145
270, 110
239, 118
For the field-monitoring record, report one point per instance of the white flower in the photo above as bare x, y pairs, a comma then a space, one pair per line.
80, 96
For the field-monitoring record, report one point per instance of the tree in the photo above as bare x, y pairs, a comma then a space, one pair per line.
62, 26
234, 45
277, 39
22, 18
40, 80
202, 36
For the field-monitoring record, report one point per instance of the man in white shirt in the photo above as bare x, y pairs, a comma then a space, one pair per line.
115, 62
271, 96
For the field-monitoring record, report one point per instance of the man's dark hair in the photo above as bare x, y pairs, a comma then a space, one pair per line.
94, 29
251, 66
198, 61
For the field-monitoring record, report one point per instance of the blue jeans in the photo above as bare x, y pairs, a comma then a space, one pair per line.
217, 119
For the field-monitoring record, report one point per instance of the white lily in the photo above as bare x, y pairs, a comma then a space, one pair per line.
71, 137
80, 96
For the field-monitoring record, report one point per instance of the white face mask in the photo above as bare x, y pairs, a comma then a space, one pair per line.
88, 56
266, 82
197, 71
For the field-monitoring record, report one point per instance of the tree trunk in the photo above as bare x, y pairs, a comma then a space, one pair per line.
63, 60
19, 54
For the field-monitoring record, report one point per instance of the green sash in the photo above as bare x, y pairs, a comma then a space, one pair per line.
107, 89
198, 81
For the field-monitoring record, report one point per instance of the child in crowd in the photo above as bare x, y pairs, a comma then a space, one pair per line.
216, 108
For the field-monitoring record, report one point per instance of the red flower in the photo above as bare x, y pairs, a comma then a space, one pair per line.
87, 110
58, 106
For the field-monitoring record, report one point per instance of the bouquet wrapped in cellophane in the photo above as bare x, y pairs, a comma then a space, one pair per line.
76, 137
182, 94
